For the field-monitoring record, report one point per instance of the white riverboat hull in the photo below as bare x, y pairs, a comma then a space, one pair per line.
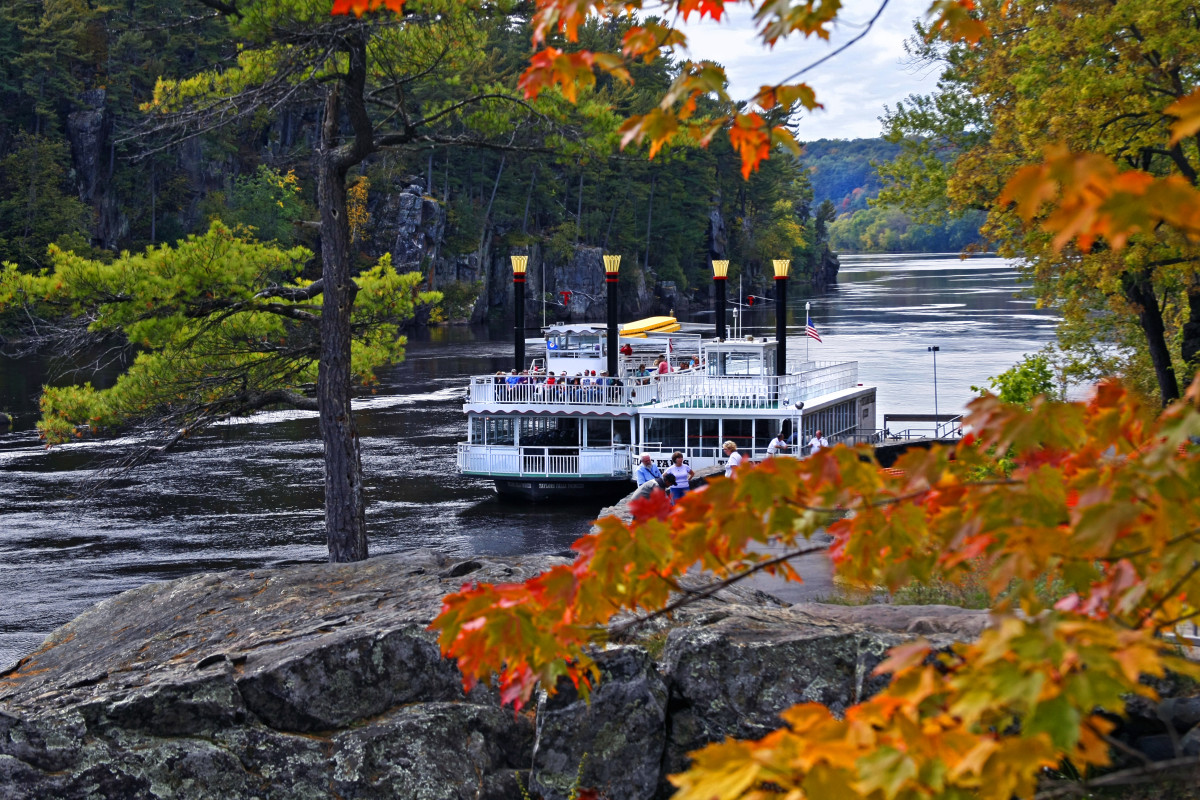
539, 438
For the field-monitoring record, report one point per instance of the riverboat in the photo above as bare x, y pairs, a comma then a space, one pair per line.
567, 437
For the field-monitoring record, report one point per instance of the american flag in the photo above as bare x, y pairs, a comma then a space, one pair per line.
810, 331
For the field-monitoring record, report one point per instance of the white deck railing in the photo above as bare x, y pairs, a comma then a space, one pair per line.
491, 459
684, 388
487, 391
755, 391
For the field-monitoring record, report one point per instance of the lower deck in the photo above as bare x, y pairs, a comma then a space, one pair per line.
539, 447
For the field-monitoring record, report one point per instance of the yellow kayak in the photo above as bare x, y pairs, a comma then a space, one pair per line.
650, 325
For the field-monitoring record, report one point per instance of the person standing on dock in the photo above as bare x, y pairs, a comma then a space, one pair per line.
735, 458
647, 471
683, 474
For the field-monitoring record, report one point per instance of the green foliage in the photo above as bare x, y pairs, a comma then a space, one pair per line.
37, 206
221, 325
267, 204
1025, 380
870, 216
843, 171
882, 229
459, 297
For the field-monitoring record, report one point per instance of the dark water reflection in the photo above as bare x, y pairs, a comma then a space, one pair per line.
249, 494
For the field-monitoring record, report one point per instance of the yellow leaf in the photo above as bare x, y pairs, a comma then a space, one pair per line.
1187, 113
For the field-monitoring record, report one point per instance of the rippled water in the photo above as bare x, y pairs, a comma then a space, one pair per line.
248, 493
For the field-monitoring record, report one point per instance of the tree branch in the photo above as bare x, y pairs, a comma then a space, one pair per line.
708, 591
1148, 773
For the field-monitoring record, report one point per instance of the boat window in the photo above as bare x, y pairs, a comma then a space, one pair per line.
475, 435
499, 430
740, 432
666, 432
765, 430
621, 431
599, 433
735, 363
704, 437
549, 432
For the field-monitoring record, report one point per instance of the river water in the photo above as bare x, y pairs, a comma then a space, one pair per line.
248, 493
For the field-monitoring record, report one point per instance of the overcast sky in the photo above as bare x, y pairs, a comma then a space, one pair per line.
854, 86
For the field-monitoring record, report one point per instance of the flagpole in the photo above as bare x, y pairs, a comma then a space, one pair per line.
807, 325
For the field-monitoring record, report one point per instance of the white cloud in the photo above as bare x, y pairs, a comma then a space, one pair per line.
853, 86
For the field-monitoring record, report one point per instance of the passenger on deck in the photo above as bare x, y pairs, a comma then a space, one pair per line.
663, 365
626, 349
777, 444
817, 443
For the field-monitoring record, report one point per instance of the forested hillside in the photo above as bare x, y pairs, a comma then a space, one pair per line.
844, 173
83, 165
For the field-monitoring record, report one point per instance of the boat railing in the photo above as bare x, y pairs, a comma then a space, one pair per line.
681, 388
932, 426
485, 390
754, 391
489, 459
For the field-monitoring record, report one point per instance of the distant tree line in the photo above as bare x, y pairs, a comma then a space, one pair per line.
845, 173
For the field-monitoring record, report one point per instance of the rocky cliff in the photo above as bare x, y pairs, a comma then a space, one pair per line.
411, 226
323, 681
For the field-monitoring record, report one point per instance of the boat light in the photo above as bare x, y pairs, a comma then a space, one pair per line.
781, 266
720, 269
612, 265
519, 263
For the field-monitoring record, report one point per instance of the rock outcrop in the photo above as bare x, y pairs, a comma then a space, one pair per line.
89, 131
323, 680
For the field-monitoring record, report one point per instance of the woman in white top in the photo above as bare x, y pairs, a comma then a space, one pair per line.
682, 473
735, 458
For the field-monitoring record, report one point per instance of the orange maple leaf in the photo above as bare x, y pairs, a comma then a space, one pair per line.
551, 66
751, 139
1090, 197
360, 7
1187, 114
952, 21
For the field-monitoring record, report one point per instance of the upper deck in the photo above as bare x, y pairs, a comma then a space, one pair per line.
730, 375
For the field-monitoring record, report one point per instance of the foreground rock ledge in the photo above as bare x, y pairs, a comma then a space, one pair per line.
323, 681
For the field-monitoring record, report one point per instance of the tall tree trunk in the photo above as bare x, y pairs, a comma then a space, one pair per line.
153, 206
1190, 347
528, 198
345, 524
487, 214
1139, 292
649, 219
429, 174
612, 213
579, 211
